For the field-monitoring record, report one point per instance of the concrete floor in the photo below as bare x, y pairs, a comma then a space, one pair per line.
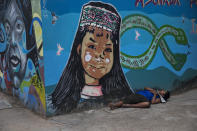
178, 114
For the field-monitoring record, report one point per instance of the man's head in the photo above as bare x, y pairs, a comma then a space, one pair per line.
165, 94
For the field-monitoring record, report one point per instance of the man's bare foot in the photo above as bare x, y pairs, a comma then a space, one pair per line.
111, 106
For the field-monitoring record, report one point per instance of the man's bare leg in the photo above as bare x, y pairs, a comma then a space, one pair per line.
115, 105
137, 105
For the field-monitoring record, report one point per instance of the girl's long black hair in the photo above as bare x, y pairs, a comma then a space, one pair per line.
114, 85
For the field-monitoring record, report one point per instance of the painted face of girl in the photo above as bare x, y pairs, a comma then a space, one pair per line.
97, 53
16, 40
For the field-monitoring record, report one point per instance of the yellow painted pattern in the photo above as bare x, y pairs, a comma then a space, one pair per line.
38, 32
1, 74
36, 82
39, 86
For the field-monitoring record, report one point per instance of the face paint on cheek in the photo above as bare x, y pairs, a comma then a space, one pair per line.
88, 57
107, 60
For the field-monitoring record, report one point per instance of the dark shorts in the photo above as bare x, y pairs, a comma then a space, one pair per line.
134, 98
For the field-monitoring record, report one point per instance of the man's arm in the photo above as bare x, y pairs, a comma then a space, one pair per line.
149, 89
155, 100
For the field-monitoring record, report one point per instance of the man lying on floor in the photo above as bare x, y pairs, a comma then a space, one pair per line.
142, 99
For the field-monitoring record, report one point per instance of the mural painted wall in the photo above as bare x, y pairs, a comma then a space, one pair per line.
93, 72
21, 52
94, 52
90, 60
